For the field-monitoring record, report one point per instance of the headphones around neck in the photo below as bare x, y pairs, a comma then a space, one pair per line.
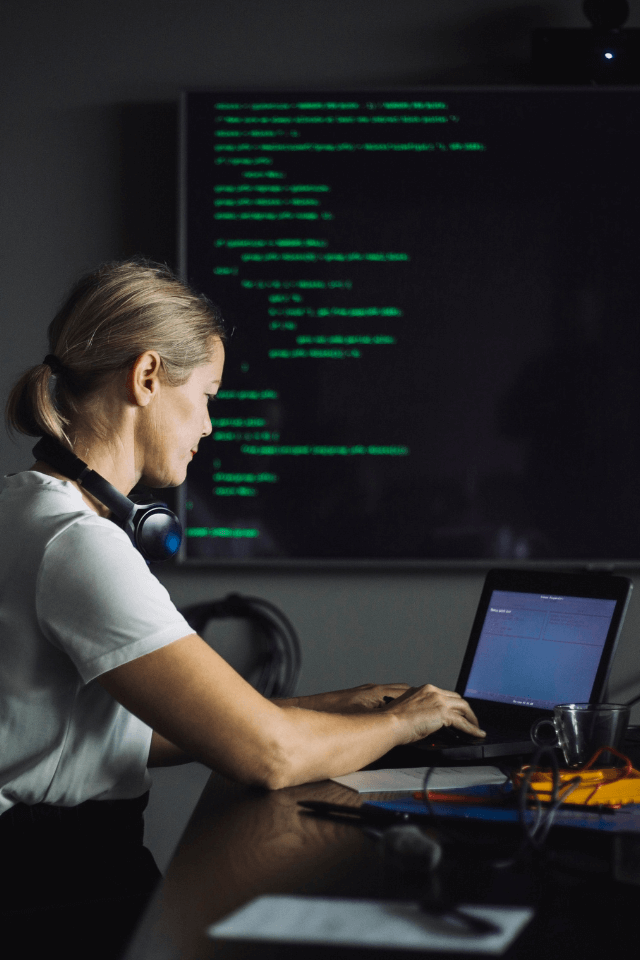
152, 528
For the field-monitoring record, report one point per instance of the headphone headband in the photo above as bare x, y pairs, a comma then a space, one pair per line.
152, 528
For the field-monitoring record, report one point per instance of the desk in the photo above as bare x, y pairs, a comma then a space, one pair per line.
241, 843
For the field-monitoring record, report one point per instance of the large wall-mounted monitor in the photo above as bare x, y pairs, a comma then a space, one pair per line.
433, 306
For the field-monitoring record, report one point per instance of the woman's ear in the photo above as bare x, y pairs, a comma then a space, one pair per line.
143, 379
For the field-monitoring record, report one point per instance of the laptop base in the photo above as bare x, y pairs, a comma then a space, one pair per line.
430, 749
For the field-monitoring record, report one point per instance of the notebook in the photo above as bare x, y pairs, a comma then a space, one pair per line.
538, 639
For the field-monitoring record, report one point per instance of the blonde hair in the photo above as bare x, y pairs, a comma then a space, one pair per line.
109, 319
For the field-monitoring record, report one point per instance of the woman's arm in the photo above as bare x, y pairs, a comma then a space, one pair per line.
163, 753
188, 694
368, 696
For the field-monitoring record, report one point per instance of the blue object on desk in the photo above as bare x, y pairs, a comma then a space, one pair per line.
624, 820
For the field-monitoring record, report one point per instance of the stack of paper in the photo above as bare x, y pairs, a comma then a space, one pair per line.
410, 779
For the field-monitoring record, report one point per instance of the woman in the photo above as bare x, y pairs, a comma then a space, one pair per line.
102, 677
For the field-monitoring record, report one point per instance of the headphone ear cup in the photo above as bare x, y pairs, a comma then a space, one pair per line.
152, 528
157, 532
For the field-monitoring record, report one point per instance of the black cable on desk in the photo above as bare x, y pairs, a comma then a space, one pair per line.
535, 832
439, 821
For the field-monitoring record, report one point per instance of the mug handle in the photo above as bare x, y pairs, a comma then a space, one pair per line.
535, 733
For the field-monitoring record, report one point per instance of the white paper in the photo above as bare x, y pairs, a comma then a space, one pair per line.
366, 923
409, 779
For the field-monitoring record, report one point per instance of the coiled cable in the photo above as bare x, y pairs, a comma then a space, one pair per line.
280, 660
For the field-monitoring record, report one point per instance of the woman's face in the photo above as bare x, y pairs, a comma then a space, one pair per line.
178, 419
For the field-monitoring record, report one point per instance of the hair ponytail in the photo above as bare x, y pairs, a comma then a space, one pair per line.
109, 319
31, 409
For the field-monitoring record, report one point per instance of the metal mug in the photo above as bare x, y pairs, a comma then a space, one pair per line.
581, 728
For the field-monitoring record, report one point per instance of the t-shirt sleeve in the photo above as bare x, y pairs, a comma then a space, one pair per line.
98, 602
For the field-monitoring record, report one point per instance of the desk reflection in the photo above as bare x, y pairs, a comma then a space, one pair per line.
241, 843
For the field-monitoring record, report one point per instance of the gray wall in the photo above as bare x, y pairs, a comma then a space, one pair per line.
87, 167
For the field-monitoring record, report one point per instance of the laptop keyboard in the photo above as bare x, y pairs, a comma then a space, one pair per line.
452, 743
451, 736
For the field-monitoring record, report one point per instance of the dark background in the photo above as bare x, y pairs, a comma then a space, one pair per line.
88, 172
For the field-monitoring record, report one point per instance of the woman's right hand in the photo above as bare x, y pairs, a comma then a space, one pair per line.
423, 710
192, 698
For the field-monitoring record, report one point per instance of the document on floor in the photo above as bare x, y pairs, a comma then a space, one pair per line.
410, 779
382, 924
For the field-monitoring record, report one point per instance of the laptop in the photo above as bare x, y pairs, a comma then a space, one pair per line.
538, 639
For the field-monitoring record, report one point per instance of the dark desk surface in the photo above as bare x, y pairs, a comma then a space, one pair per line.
241, 843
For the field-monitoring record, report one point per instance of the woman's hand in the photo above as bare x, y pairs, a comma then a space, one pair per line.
368, 696
425, 709
192, 698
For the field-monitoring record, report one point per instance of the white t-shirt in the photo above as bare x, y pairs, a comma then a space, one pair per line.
76, 600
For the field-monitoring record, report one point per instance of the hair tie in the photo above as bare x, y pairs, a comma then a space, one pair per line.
56, 366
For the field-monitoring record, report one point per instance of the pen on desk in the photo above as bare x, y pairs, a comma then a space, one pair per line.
456, 797
473, 922
365, 812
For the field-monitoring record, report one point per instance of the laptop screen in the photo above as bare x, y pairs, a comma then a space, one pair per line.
536, 650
